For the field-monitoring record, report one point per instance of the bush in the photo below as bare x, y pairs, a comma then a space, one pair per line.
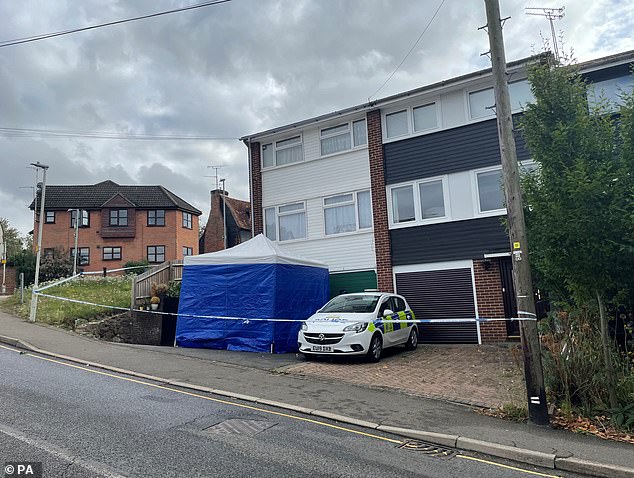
174, 288
24, 262
55, 266
141, 266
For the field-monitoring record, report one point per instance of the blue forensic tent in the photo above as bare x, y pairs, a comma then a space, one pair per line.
253, 280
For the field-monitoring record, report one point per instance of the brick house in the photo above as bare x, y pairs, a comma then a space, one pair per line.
238, 222
118, 224
404, 194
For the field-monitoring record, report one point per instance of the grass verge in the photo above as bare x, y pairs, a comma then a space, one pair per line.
113, 291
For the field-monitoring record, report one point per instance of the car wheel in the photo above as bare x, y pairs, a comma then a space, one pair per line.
412, 341
375, 349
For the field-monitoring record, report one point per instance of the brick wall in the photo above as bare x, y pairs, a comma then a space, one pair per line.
379, 202
256, 190
488, 284
10, 280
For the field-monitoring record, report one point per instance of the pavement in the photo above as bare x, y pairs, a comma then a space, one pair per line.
265, 379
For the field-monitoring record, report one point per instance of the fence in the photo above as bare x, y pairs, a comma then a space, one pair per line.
161, 274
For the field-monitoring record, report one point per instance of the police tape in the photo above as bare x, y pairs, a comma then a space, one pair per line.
246, 320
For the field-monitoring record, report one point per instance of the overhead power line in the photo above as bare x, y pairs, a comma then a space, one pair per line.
44, 36
410, 50
51, 133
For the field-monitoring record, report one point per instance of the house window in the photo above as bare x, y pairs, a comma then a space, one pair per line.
187, 220
84, 218
49, 252
432, 199
403, 209
188, 251
342, 137
347, 212
156, 253
482, 102
282, 152
490, 190
156, 217
609, 92
286, 222
50, 217
112, 253
83, 255
396, 124
118, 217
425, 117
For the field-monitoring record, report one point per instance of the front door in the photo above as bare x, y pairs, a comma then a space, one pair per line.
508, 297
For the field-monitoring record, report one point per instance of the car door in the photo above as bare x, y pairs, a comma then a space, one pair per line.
388, 324
401, 329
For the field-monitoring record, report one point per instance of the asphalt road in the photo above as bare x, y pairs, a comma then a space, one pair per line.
82, 422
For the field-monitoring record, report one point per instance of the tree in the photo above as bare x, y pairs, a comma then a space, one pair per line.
57, 265
580, 201
12, 238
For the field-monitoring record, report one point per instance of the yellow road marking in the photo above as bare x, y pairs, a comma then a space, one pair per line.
270, 412
506, 466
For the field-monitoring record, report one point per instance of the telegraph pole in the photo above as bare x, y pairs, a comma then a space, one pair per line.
537, 406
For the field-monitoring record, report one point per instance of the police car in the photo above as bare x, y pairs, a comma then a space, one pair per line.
359, 324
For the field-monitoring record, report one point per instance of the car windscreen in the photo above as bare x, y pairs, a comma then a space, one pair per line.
360, 304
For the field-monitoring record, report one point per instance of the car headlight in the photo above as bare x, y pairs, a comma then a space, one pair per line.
304, 326
356, 327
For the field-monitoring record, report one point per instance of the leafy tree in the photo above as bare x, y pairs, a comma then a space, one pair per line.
580, 202
12, 238
24, 262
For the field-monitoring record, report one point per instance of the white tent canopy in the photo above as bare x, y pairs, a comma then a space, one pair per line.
259, 250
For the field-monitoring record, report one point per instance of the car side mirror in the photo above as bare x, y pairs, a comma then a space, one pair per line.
387, 312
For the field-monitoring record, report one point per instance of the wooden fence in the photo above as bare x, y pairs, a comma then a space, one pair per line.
161, 274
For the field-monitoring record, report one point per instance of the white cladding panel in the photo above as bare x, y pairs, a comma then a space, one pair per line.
461, 195
341, 253
340, 173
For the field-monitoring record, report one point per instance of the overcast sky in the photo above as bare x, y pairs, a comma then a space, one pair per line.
229, 70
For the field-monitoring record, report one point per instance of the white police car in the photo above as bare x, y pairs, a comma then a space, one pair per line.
359, 324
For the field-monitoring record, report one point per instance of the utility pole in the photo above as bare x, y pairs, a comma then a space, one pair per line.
38, 256
3, 257
522, 280
77, 213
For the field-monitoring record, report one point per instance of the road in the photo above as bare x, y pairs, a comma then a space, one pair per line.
83, 422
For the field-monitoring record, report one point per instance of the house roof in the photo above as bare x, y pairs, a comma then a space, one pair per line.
241, 212
619, 58
94, 196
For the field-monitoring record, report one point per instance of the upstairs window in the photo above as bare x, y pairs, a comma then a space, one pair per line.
286, 222
490, 191
396, 124
608, 93
423, 202
50, 217
403, 209
156, 217
84, 218
347, 212
188, 251
343, 137
187, 220
425, 117
411, 120
119, 217
282, 152
432, 199
482, 102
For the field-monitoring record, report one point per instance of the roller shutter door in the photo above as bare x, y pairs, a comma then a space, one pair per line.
441, 294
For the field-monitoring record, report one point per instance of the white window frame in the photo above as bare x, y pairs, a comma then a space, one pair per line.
476, 193
355, 202
471, 119
350, 132
418, 213
273, 145
410, 119
277, 219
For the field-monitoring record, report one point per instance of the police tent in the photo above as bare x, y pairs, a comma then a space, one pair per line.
227, 295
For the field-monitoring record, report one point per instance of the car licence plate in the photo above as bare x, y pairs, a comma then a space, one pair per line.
321, 348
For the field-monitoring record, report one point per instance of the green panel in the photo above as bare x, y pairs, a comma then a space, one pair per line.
352, 282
